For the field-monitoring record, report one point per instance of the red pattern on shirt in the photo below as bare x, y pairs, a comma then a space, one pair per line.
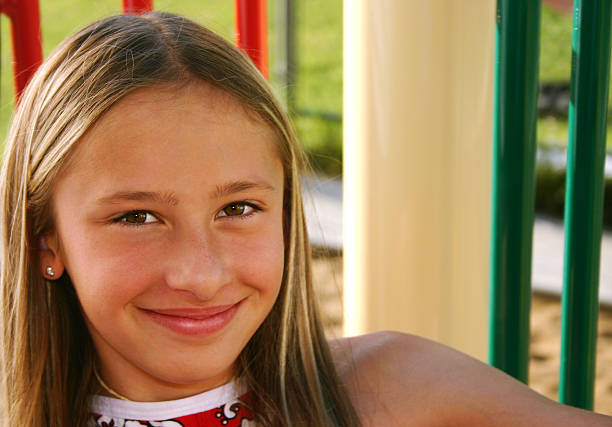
227, 415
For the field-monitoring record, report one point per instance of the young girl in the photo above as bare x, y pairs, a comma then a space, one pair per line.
156, 267
154, 244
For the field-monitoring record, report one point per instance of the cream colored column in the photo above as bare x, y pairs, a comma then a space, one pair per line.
418, 89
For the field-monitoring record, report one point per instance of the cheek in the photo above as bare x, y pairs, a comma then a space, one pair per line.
260, 262
106, 272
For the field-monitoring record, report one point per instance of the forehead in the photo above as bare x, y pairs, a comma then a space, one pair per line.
194, 97
169, 129
183, 102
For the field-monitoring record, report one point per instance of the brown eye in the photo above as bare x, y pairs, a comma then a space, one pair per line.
234, 209
239, 209
137, 218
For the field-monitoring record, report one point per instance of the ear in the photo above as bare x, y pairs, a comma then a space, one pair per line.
50, 260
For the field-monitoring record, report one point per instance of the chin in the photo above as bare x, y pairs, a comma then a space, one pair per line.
204, 377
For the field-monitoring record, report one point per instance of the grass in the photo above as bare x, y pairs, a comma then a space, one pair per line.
319, 80
555, 46
555, 66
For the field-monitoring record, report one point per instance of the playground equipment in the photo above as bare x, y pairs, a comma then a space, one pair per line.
417, 84
25, 33
515, 117
513, 178
137, 6
418, 91
252, 31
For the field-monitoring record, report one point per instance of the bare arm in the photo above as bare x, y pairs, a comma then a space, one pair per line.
399, 379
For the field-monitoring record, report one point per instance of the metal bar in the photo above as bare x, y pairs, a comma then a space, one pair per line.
25, 32
584, 199
252, 32
137, 7
284, 65
514, 133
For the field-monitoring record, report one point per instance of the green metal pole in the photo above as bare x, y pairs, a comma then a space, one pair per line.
514, 132
584, 199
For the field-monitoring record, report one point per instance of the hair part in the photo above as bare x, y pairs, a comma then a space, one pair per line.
47, 354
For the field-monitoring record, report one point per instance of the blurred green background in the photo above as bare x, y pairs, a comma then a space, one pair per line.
318, 60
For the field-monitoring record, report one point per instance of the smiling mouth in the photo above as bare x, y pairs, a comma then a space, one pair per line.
193, 313
193, 321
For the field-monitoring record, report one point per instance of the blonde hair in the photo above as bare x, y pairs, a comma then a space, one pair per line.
47, 353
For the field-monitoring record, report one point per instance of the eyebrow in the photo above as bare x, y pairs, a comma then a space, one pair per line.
122, 196
238, 186
170, 198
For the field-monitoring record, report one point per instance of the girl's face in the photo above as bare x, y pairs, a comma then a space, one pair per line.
169, 221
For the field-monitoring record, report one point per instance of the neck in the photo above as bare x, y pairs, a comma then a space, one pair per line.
106, 387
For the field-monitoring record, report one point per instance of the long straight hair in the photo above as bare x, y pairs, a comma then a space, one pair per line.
47, 354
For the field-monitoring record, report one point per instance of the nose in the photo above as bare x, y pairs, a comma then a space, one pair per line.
195, 264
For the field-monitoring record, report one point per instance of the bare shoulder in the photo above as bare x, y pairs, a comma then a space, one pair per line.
401, 379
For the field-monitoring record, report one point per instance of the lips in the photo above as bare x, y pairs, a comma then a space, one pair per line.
193, 321
193, 313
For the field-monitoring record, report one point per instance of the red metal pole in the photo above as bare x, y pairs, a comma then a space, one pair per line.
25, 32
137, 7
252, 32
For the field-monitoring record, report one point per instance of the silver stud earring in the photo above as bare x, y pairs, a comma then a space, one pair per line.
50, 271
